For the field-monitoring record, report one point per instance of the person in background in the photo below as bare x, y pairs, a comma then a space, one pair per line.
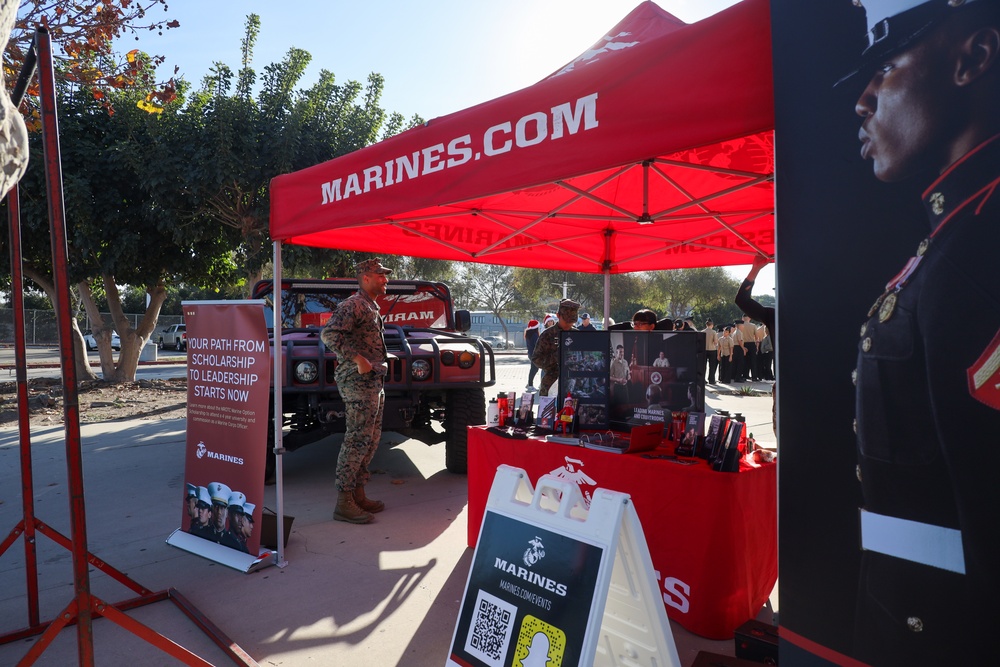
530, 338
585, 323
739, 352
765, 354
763, 314
644, 320
724, 353
546, 355
749, 332
711, 349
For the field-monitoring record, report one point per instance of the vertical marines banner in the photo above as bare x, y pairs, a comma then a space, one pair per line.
887, 127
228, 392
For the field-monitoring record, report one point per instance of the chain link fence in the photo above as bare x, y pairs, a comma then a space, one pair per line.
40, 325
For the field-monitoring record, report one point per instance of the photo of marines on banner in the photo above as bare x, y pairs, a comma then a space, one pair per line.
218, 514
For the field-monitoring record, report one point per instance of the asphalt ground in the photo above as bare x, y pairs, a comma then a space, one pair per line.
383, 594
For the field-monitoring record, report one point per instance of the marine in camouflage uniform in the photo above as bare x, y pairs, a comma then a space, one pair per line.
355, 333
546, 355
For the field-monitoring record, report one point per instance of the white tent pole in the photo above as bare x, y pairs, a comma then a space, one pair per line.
607, 300
276, 425
607, 278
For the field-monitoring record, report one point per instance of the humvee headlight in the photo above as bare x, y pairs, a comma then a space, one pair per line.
421, 369
306, 371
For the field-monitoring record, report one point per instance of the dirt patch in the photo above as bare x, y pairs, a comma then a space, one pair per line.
98, 401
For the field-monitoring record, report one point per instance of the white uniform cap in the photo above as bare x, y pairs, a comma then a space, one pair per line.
204, 496
220, 493
248, 509
236, 500
192, 490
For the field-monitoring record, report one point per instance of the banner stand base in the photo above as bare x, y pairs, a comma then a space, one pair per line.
223, 555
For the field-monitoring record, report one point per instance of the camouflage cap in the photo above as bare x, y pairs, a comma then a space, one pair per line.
371, 266
568, 306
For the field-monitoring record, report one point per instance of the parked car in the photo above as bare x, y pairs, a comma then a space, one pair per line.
174, 336
499, 343
91, 342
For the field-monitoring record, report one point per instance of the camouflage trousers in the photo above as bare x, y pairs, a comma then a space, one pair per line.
364, 400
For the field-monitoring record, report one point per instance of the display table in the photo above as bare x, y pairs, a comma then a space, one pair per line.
712, 536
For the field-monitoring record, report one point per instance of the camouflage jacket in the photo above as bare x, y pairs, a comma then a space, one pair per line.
356, 327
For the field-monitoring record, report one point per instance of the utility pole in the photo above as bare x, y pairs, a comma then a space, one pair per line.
565, 286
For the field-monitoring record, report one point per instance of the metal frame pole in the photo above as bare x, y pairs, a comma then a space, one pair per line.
84, 606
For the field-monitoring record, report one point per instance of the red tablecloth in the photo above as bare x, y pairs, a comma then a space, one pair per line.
712, 536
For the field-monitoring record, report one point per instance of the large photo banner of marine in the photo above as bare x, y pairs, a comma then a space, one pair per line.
528, 599
887, 132
228, 391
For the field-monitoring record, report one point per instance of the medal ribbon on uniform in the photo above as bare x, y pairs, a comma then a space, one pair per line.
899, 281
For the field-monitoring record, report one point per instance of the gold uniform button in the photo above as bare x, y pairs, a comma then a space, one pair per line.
886, 309
914, 624
937, 203
854, 377
857, 471
854, 425
864, 328
866, 344
922, 248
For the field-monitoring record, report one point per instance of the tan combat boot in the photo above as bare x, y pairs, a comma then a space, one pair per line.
367, 504
348, 510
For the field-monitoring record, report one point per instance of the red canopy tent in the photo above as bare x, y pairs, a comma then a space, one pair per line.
652, 150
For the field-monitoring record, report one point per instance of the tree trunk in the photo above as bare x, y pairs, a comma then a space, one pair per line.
132, 339
83, 369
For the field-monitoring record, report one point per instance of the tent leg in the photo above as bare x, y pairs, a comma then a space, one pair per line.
278, 376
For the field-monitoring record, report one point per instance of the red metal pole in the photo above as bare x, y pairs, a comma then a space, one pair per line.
84, 606
23, 423
71, 406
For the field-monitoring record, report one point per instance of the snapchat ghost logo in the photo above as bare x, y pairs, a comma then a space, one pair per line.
539, 644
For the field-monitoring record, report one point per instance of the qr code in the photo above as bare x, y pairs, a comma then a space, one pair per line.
491, 629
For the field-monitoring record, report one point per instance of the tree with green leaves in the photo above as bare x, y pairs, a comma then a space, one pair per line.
177, 194
490, 287
83, 33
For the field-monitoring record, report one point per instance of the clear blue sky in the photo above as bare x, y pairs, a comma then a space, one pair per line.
437, 56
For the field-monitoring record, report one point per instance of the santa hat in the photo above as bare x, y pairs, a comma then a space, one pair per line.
533, 324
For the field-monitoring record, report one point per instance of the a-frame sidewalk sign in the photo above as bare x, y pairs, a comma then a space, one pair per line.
555, 583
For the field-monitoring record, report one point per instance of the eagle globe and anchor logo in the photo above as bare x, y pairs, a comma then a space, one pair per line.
535, 551
200, 450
